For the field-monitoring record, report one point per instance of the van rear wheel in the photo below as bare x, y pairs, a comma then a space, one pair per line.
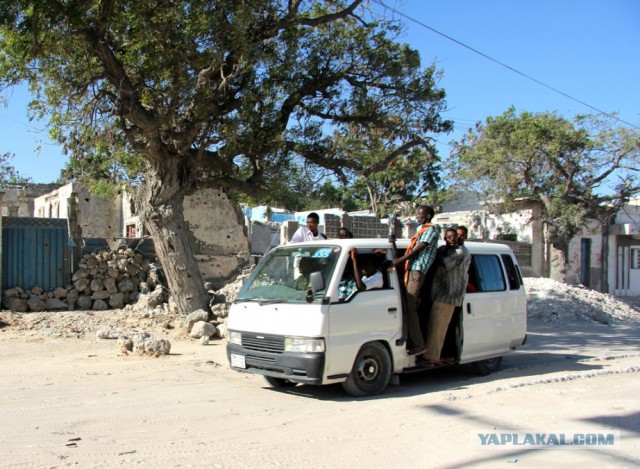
371, 371
279, 382
488, 366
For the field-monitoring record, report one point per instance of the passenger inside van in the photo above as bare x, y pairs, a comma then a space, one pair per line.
356, 278
306, 266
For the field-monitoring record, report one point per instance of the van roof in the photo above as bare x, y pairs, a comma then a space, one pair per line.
373, 243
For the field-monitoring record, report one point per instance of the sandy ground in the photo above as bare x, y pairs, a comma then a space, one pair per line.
77, 402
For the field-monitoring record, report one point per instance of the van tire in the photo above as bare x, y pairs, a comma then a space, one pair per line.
488, 366
279, 382
371, 371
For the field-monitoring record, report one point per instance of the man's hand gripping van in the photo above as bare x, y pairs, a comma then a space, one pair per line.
294, 321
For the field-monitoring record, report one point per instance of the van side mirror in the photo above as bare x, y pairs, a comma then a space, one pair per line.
316, 284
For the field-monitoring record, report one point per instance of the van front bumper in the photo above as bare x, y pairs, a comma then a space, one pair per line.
305, 368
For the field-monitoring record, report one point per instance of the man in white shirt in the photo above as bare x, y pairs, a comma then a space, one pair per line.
309, 232
356, 279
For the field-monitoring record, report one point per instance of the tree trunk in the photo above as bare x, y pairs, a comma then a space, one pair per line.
558, 264
372, 197
558, 255
165, 221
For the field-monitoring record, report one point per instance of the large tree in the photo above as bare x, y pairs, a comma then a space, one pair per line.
178, 95
585, 169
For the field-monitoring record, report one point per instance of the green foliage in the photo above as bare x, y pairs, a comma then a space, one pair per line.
576, 170
8, 174
330, 195
225, 93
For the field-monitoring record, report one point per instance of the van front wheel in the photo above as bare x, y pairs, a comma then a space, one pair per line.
371, 371
488, 366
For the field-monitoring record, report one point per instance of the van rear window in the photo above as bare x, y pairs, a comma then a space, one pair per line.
485, 273
513, 274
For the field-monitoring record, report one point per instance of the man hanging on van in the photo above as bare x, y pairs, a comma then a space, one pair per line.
417, 259
448, 289
463, 234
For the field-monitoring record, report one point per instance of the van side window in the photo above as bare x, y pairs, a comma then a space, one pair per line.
486, 273
374, 262
513, 275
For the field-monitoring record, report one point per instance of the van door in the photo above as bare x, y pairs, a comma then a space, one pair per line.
487, 309
362, 317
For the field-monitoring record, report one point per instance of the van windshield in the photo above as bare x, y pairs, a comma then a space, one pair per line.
283, 276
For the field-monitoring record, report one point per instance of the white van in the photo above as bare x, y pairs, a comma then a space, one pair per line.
312, 336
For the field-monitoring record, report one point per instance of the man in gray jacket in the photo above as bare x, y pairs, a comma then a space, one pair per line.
448, 289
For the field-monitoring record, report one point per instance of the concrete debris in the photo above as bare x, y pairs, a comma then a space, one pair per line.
108, 333
197, 316
202, 329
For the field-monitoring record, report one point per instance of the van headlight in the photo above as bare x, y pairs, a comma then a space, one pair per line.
234, 337
303, 345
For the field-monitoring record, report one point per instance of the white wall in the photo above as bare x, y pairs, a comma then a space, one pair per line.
98, 217
484, 225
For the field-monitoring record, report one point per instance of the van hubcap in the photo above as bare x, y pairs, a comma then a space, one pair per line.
369, 369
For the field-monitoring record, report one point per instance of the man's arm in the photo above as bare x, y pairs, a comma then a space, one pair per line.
353, 253
298, 236
453, 258
414, 252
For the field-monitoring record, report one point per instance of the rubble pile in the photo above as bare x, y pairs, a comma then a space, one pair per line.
202, 325
143, 327
550, 302
104, 280
162, 320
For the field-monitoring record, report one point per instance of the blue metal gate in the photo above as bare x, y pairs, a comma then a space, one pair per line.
35, 252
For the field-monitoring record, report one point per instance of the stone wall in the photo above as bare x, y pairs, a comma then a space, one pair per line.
218, 236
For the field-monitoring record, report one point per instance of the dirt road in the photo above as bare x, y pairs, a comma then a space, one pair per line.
66, 402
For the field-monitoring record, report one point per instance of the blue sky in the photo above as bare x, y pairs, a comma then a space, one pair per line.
588, 49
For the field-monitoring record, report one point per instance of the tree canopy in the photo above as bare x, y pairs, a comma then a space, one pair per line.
177, 95
582, 169
8, 173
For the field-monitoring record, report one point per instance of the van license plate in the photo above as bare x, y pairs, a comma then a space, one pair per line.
237, 361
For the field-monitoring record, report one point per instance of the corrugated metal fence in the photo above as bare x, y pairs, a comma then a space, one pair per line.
35, 252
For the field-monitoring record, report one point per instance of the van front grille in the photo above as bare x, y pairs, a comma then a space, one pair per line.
263, 343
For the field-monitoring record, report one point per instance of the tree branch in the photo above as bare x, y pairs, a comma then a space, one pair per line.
382, 164
320, 20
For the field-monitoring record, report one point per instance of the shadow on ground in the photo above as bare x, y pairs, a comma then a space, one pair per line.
571, 347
